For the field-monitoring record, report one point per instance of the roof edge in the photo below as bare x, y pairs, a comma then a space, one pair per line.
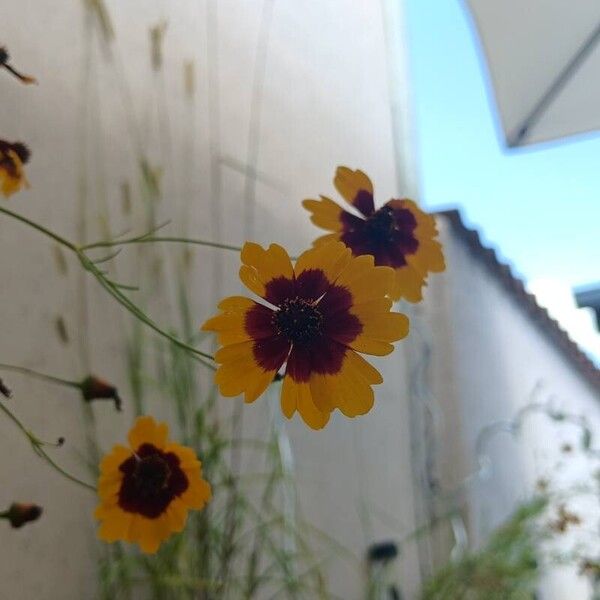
516, 288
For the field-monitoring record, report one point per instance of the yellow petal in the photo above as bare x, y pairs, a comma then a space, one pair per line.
198, 492
262, 266
348, 183
429, 256
251, 280
110, 464
147, 431
365, 281
297, 395
256, 385
330, 258
408, 284
322, 389
326, 239
383, 326
366, 345
289, 401
367, 371
325, 213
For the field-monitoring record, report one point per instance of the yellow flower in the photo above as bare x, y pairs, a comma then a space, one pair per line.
316, 317
398, 234
12, 175
147, 488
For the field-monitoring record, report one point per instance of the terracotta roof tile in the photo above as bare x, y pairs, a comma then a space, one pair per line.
515, 287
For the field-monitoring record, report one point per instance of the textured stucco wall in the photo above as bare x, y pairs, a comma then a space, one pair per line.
100, 108
498, 361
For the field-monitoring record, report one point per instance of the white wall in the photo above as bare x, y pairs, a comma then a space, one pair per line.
98, 110
498, 360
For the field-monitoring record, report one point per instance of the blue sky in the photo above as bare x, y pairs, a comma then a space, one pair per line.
540, 207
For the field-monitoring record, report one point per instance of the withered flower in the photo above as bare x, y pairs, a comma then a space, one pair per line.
590, 567
13, 155
21, 513
4, 58
4, 390
564, 519
94, 388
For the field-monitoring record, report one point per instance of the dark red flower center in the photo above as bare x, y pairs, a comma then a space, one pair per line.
151, 476
299, 320
388, 234
18, 148
380, 225
152, 479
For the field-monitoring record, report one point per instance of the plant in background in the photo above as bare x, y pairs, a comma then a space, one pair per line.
506, 568
314, 318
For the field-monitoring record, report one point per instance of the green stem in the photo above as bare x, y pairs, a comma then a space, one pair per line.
37, 446
144, 239
38, 375
124, 301
61, 240
111, 288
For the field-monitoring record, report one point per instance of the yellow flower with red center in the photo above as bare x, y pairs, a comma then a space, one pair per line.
316, 317
146, 489
12, 175
397, 235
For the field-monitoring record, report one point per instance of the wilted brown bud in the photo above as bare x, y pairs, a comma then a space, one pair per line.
20, 513
22, 151
4, 58
94, 388
4, 390
590, 567
564, 520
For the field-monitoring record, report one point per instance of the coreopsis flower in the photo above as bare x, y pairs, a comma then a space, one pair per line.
399, 234
12, 158
314, 317
146, 489
20, 513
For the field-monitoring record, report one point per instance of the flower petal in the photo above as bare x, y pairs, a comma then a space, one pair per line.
408, 284
147, 431
330, 258
268, 273
230, 324
297, 396
241, 372
356, 188
325, 213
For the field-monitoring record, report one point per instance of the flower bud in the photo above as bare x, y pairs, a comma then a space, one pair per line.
94, 388
20, 513
4, 390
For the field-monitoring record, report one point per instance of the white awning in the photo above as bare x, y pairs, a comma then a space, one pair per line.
544, 61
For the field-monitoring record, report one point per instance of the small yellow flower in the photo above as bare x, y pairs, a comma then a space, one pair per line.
315, 318
146, 489
398, 235
12, 176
